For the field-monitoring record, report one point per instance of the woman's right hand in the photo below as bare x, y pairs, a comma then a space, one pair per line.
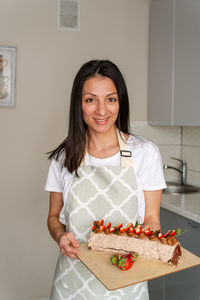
68, 244
66, 240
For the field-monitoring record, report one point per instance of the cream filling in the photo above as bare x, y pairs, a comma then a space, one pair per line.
154, 250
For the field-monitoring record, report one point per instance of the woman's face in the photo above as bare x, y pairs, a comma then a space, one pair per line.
100, 104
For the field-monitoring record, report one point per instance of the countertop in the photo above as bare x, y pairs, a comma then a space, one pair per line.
186, 205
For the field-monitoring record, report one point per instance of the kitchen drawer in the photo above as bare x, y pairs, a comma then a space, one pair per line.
184, 285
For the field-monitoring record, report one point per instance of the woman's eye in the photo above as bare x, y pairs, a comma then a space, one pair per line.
89, 100
112, 99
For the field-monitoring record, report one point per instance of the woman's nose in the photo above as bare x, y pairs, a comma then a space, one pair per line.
101, 108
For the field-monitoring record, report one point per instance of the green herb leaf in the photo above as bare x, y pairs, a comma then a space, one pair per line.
156, 232
180, 232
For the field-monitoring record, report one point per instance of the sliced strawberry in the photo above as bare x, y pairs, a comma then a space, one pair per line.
139, 226
93, 227
167, 234
102, 228
108, 225
147, 228
138, 229
148, 232
160, 235
101, 222
129, 226
131, 230
173, 232
119, 226
112, 229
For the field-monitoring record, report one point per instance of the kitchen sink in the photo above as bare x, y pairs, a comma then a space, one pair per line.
175, 188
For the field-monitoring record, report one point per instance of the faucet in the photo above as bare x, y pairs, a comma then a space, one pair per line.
182, 170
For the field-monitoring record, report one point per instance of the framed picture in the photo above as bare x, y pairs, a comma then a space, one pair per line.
7, 75
69, 15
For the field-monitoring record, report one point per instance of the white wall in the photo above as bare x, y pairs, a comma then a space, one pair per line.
175, 141
47, 61
168, 140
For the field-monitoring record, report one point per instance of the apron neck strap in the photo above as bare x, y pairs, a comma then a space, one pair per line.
125, 154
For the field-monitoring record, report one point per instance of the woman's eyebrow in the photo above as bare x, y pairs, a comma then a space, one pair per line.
114, 93
88, 93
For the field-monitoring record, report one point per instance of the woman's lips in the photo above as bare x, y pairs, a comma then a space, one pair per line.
101, 121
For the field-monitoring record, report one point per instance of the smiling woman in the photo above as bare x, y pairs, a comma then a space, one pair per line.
93, 175
108, 76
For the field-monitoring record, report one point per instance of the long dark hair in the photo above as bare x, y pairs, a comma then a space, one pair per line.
75, 143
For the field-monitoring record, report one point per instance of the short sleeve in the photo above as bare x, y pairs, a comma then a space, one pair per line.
53, 182
153, 177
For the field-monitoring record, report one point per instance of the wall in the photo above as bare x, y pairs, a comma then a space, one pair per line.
168, 140
178, 142
47, 60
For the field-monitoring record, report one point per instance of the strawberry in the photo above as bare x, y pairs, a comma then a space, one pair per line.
129, 226
160, 235
93, 227
108, 225
147, 228
114, 259
133, 256
102, 228
167, 234
119, 226
124, 263
131, 230
138, 230
122, 230
173, 232
148, 232
120, 256
101, 222
112, 229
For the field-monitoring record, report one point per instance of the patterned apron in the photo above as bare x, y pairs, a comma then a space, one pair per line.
99, 192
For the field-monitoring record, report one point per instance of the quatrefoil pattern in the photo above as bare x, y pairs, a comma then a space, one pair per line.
109, 193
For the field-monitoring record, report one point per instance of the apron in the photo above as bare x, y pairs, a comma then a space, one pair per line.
99, 192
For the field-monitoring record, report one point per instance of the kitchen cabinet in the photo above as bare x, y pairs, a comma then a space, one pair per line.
182, 285
174, 63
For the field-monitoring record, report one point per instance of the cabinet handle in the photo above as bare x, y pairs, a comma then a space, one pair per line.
194, 225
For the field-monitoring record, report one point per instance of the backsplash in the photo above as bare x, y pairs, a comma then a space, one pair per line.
178, 142
190, 152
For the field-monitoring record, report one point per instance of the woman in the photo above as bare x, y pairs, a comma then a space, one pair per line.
99, 171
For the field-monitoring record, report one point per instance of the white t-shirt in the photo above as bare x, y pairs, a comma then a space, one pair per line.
147, 165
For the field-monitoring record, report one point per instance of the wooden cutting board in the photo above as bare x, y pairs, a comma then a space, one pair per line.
143, 269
